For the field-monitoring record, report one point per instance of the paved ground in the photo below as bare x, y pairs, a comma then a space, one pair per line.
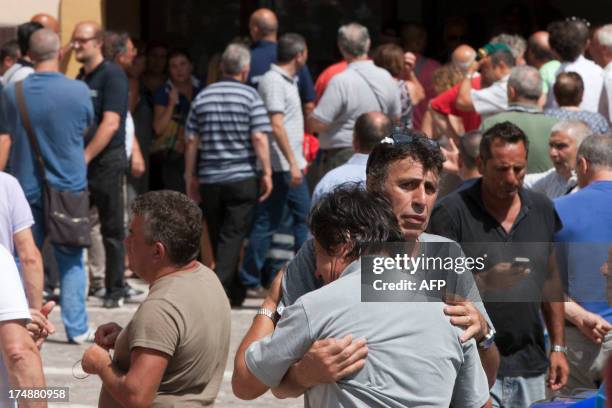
59, 358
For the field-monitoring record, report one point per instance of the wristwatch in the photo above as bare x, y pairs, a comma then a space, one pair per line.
488, 340
273, 315
558, 348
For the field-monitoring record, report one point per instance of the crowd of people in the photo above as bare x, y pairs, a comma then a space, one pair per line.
187, 184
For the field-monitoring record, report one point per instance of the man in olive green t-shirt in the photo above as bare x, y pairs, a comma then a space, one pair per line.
174, 350
524, 91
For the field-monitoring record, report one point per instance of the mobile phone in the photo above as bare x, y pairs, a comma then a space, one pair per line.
520, 262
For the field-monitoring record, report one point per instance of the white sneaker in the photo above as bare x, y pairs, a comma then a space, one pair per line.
87, 337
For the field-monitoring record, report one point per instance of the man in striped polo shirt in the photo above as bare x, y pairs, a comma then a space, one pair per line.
227, 131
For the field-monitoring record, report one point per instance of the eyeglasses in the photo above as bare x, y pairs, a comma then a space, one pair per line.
407, 136
579, 19
81, 41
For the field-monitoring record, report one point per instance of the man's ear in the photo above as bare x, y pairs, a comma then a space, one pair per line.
511, 93
159, 251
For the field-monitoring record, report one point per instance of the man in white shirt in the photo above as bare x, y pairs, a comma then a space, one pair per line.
601, 50
565, 138
569, 39
20, 363
495, 69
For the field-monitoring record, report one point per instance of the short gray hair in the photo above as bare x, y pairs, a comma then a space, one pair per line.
115, 44
604, 36
354, 39
235, 58
526, 82
44, 45
577, 130
516, 43
597, 150
173, 219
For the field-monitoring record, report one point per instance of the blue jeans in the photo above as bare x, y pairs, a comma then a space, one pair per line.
268, 218
73, 281
518, 392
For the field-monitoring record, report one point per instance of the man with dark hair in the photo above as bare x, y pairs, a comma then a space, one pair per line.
496, 209
524, 91
281, 98
227, 131
585, 242
495, 70
569, 39
174, 349
469, 150
9, 54
370, 129
541, 56
405, 168
105, 150
568, 90
23, 67
347, 224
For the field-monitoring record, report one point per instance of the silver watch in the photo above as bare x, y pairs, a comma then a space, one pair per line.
488, 340
559, 349
272, 314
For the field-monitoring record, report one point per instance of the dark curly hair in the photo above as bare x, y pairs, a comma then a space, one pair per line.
568, 38
407, 143
358, 220
173, 219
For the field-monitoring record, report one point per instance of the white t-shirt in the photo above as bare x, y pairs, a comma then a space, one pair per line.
592, 76
491, 100
13, 306
130, 133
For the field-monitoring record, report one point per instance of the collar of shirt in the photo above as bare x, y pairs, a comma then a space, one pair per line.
25, 63
82, 73
519, 107
357, 64
475, 195
358, 159
353, 267
282, 72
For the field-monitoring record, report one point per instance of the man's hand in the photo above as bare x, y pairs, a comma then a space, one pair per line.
192, 187
593, 326
40, 327
173, 95
94, 359
138, 164
409, 61
451, 164
296, 175
558, 371
265, 187
466, 315
331, 360
106, 335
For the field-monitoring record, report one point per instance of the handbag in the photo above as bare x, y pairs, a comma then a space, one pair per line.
66, 213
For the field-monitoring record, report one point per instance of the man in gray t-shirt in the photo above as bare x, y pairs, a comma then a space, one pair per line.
362, 87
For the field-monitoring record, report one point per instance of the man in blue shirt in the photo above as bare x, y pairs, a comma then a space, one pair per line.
582, 249
60, 111
263, 28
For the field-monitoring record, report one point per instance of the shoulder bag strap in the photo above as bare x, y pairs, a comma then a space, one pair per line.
380, 104
25, 119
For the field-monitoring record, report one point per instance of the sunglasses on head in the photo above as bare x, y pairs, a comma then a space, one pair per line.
580, 19
405, 136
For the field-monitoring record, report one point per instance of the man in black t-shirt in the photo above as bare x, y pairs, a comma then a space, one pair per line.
105, 149
512, 228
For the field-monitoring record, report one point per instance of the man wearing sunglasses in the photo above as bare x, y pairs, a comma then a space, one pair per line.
405, 169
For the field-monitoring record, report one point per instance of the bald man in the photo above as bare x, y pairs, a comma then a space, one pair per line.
60, 110
462, 57
263, 28
105, 149
47, 21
